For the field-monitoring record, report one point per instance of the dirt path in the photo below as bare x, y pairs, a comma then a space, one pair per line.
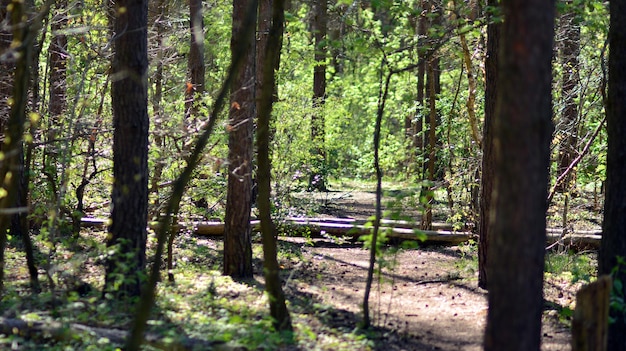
427, 300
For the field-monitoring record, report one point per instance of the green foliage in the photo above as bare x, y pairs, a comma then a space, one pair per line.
618, 294
574, 266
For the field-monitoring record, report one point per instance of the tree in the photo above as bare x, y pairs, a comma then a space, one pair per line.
432, 168
266, 87
613, 246
129, 217
237, 231
317, 178
522, 135
488, 166
417, 125
569, 28
12, 122
195, 88
58, 67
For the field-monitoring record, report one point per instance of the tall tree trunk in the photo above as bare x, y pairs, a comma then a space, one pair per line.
157, 96
522, 134
57, 100
57, 50
613, 247
129, 99
195, 89
413, 123
317, 178
488, 163
12, 166
270, 12
570, 49
418, 122
471, 93
237, 231
431, 164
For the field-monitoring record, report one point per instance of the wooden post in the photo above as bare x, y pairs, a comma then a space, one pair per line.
591, 318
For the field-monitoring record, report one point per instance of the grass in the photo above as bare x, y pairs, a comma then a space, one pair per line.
202, 304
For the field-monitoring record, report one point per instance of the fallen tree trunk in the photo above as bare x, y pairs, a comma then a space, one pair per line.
60, 332
384, 222
341, 229
355, 228
579, 241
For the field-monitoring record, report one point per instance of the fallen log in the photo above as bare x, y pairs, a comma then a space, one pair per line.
341, 229
355, 228
580, 241
60, 332
385, 222
578, 232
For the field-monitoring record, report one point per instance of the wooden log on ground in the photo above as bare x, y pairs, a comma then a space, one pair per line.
385, 222
341, 229
591, 317
583, 232
355, 228
581, 241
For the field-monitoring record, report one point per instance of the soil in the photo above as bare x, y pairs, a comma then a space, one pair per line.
427, 299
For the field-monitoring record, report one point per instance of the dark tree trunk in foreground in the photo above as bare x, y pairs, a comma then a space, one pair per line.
522, 135
11, 168
237, 231
487, 178
18, 81
317, 178
130, 150
613, 247
569, 28
271, 48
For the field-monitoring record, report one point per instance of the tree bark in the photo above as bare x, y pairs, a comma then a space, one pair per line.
11, 169
613, 247
487, 178
570, 50
195, 89
591, 317
317, 178
129, 99
271, 55
237, 241
522, 135
418, 122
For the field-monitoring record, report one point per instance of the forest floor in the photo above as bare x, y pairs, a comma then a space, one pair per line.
425, 298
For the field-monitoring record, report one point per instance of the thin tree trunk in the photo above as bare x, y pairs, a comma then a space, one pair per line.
382, 99
488, 164
157, 97
317, 178
570, 49
471, 91
271, 54
428, 189
195, 89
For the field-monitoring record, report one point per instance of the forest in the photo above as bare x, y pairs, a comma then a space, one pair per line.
312, 175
